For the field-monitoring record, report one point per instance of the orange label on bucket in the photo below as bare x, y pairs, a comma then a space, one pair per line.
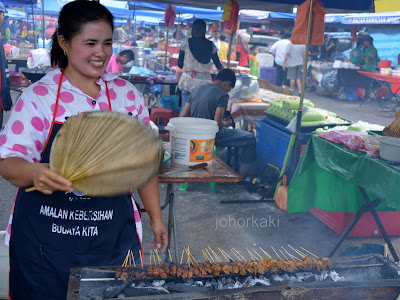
201, 150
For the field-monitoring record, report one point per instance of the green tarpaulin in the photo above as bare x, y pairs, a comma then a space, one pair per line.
329, 175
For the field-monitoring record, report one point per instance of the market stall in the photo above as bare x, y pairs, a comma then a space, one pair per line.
390, 83
341, 181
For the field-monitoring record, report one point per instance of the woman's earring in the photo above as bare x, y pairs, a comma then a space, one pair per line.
65, 53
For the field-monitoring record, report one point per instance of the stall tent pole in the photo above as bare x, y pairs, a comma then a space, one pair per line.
43, 35
33, 27
178, 31
230, 42
303, 86
166, 50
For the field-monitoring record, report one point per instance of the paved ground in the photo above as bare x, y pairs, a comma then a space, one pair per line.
203, 221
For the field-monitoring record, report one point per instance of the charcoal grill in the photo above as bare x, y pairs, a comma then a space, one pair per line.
365, 277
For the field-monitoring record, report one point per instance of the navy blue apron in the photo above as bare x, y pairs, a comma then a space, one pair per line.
52, 233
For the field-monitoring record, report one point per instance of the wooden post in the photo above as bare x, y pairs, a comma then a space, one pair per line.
296, 154
230, 43
166, 50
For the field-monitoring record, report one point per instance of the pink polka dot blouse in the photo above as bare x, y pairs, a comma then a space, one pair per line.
26, 131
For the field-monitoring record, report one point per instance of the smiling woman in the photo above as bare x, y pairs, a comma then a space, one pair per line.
81, 50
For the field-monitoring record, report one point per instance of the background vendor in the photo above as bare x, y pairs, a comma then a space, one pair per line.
195, 60
117, 60
357, 54
209, 101
370, 55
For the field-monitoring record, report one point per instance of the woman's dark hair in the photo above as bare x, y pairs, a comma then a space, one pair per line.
222, 37
128, 53
71, 19
227, 75
360, 43
199, 28
370, 40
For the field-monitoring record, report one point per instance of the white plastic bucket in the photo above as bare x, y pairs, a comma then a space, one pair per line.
192, 140
4, 267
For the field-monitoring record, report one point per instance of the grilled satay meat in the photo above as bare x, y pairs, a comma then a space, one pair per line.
326, 263
118, 273
243, 268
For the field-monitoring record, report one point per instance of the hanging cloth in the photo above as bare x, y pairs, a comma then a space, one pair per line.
299, 34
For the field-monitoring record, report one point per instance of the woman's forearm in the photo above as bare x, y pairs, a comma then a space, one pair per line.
17, 171
24, 174
151, 199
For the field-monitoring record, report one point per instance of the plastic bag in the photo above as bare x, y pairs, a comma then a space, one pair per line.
299, 34
38, 58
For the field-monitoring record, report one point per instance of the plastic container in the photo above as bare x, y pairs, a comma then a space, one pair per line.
365, 227
4, 267
192, 140
389, 148
385, 64
272, 142
268, 73
16, 79
266, 59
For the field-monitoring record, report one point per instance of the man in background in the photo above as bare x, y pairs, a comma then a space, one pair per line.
215, 39
5, 30
278, 50
116, 61
327, 48
294, 61
209, 101
5, 96
223, 50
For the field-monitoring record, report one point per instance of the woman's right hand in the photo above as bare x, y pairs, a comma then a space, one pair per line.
47, 181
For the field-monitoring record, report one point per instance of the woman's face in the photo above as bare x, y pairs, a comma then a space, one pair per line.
89, 51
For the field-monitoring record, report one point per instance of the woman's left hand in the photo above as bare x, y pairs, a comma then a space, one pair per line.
160, 240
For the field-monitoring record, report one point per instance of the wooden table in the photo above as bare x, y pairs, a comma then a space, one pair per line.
217, 171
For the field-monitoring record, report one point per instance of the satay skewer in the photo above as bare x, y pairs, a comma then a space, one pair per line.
251, 255
159, 259
192, 257
125, 260
257, 253
223, 254
236, 255
269, 256
238, 252
283, 254
170, 258
141, 259
204, 255
291, 256
209, 254
309, 252
276, 253
222, 251
297, 251
215, 254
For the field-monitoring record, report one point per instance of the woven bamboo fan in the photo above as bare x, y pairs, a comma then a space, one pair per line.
106, 153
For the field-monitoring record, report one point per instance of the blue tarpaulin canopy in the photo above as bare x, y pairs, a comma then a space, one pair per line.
15, 14
19, 3
385, 18
267, 5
